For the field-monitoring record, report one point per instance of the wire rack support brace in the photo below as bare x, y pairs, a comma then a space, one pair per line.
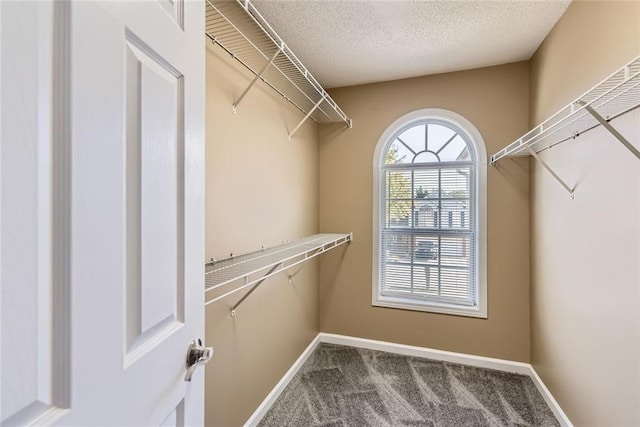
610, 128
253, 288
555, 175
255, 79
306, 117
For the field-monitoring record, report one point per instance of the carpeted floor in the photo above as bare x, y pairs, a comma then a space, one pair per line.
346, 386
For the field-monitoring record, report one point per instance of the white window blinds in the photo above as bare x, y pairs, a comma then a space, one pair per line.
428, 228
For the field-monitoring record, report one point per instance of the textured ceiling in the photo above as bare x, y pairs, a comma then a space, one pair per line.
345, 43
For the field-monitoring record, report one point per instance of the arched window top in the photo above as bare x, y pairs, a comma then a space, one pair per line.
430, 136
429, 141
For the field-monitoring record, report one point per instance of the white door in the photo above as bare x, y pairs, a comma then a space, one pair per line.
101, 197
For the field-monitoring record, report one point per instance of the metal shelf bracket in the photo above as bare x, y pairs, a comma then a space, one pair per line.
551, 171
255, 79
610, 128
253, 288
291, 276
306, 117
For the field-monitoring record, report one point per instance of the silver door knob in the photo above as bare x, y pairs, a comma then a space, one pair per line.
197, 355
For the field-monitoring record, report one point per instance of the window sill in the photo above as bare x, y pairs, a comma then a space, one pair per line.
430, 307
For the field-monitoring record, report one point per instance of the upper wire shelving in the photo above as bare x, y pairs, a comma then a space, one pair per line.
617, 94
614, 96
242, 31
254, 268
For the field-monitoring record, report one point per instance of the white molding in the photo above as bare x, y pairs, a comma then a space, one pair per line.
260, 412
409, 350
429, 353
428, 306
548, 397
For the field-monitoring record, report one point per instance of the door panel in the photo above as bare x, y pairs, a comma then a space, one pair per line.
155, 197
102, 211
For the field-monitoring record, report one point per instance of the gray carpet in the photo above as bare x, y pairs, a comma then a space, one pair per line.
346, 386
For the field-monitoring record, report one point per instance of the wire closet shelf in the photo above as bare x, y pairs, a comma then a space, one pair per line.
617, 94
253, 268
241, 30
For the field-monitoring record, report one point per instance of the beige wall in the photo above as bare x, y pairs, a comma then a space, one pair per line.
261, 189
586, 252
496, 101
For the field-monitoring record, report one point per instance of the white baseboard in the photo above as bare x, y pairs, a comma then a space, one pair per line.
408, 350
548, 397
429, 353
255, 418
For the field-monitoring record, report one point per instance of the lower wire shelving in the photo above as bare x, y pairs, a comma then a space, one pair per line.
251, 269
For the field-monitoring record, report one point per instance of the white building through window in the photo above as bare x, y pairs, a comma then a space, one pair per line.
430, 215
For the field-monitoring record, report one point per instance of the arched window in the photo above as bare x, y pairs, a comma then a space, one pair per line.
430, 215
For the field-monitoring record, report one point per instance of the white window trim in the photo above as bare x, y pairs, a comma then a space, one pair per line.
415, 117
